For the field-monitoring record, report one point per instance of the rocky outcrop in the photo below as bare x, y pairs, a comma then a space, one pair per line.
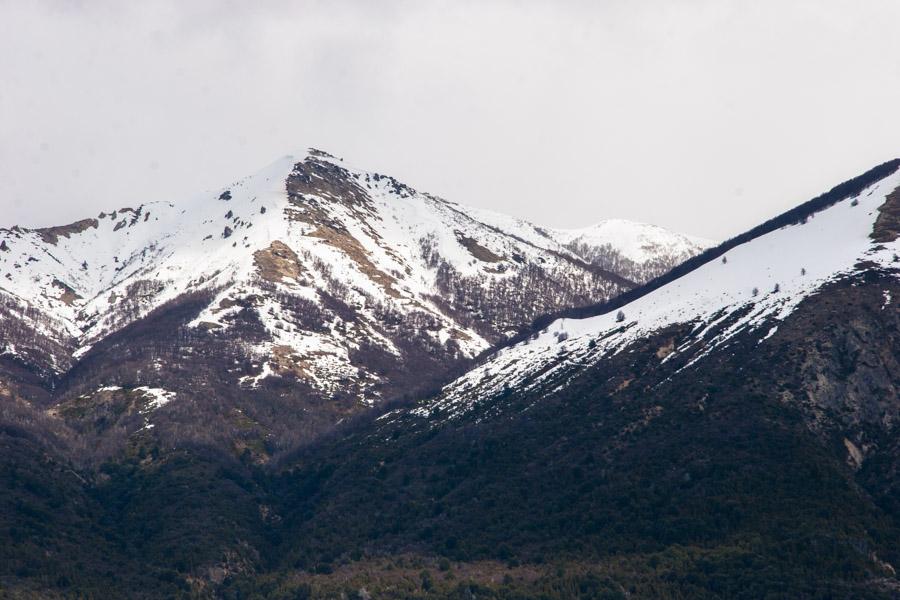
887, 226
51, 235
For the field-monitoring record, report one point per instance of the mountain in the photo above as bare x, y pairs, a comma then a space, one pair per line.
638, 251
726, 430
260, 315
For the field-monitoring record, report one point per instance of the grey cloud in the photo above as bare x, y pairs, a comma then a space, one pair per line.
702, 116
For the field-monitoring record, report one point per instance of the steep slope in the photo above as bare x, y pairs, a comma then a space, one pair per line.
285, 302
636, 250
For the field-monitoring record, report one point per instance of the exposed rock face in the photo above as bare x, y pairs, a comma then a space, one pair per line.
51, 235
887, 226
850, 365
277, 263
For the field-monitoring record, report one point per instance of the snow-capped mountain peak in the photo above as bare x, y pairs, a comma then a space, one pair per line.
344, 279
639, 250
639, 242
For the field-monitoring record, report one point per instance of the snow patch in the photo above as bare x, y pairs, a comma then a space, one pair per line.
158, 397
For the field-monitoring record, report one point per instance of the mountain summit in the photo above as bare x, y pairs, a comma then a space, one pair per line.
640, 250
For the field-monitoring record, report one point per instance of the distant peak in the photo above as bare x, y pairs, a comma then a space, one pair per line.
610, 225
636, 241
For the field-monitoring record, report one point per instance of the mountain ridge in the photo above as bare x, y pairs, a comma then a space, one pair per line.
837, 193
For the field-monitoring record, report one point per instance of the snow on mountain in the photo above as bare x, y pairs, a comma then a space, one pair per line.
83, 281
753, 286
638, 250
310, 266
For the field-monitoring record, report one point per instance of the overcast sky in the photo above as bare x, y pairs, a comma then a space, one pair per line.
704, 117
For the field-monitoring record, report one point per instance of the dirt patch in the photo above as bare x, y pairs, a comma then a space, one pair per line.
250, 301
51, 235
623, 385
460, 336
666, 349
887, 225
477, 250
354, 250
68, 295
285, 361
277, 263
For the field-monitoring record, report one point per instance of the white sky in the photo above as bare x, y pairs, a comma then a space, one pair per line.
701, 116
